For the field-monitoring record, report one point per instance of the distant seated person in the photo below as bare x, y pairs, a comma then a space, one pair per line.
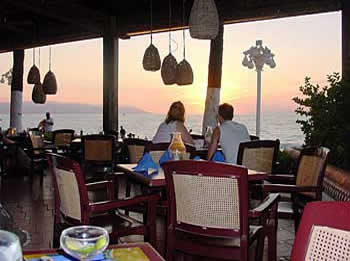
122, 132
46, 125
174, 122
229, 134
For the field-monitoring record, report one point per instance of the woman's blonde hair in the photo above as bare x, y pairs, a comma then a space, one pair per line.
176, 112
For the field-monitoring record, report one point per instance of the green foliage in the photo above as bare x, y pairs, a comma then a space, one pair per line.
327, 117
286, 164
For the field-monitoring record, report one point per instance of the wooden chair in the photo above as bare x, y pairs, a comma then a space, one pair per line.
5, 160
135, 149
323, 233
62, 138
37, 153
197, 136
98, 155
260, 155
253, 137
72, 205
303, 187
208, 211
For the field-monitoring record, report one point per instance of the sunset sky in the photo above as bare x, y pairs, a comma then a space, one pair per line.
303, 46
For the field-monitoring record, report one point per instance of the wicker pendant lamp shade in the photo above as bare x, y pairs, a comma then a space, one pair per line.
168, 71
184, 73
38, 95
151, 59
204, 20
50, 83
34, 73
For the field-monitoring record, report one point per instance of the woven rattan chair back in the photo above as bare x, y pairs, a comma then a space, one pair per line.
324, 232
37, 143
260, 155
98, 148
311, 167
62, 137
135, 148
218, 193
70, 191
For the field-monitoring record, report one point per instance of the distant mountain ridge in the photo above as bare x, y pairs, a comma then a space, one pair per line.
56, 107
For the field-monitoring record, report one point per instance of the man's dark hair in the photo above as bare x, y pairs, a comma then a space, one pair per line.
226, 111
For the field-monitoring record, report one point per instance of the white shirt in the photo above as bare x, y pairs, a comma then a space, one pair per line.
164, 132
48, 125
231, 135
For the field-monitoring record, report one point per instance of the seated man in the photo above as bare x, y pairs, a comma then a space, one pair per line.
46, 124
229, 134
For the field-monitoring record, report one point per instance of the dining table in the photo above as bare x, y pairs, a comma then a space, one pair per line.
157, 178
142, 251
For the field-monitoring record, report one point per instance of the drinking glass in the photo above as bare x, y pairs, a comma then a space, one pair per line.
207, 135
10, 247
84, 242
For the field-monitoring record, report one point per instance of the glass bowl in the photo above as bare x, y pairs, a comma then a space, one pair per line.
84, 242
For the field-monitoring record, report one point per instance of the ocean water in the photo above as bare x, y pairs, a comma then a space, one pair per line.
274, 125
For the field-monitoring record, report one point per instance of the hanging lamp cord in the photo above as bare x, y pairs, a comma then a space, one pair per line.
50, 58
169, 26
183, 24
151, 20
33, 56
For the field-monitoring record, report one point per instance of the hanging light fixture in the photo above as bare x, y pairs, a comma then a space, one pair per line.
184, 73
50, 83
34, 73
38, 95
151, 58
204, 20
168, 71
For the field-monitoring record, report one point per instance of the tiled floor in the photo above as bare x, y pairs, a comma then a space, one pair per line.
32, 211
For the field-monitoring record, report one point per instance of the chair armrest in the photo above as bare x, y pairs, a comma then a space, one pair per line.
270, 201
283, 188
102, 185
113, 204
280, 179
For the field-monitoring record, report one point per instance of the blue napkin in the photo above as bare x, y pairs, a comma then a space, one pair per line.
165, 157
218, 156
196, 158
146, 163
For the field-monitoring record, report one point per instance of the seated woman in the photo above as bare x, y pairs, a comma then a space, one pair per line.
174, 122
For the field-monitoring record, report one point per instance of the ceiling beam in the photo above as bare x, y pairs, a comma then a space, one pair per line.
12, 28
230, 14
26, 43
58, 15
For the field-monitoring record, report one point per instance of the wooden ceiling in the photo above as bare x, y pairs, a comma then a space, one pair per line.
31, 23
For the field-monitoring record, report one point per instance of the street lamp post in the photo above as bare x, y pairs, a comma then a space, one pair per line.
258, 56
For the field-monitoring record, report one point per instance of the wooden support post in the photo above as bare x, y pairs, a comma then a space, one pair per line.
110, 76
214, 80
346, 39
17, 91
